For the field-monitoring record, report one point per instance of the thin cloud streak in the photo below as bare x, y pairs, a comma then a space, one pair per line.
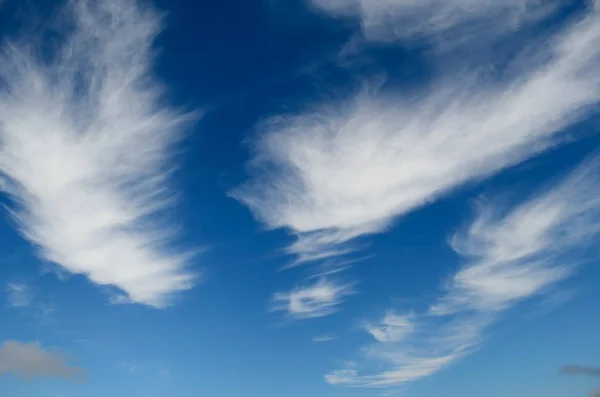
324, 338
341, 171
509, 256
319, 299
85, 150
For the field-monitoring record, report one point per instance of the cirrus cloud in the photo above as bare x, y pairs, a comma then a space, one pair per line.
463, 20
85, 144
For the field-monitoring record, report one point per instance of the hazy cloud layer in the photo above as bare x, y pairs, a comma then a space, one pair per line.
509, 255
30, 360
85, 143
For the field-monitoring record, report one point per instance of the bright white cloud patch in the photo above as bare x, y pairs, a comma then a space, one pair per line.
509, 256
346, 170
84, 150
317, 300
449, 19
19, 295
30, 360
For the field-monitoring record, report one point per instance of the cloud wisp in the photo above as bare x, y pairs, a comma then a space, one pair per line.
392, 328
385, 20
324, 338
31, 360
319, 299
19, 295
509, 256
85, 150
341, 171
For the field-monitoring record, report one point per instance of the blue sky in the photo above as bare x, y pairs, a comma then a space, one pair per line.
299, 198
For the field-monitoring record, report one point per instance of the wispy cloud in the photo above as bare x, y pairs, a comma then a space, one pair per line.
30, 360
324, 338
345, 170
316, 300
19, 295
392, 328
509, 256
580, 370
447, 19
85, 144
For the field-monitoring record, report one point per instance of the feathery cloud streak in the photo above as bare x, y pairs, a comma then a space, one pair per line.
509, 256
85, 147
317, 300
30, 360
346, 170
453, 19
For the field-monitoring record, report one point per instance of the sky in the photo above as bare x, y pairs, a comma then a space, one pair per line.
292, 198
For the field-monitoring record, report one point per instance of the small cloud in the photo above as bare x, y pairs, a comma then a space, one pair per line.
318, 300
324, 338
19, 295
30, 360
580, 370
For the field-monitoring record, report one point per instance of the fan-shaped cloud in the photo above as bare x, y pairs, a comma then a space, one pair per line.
340, 171
85, 143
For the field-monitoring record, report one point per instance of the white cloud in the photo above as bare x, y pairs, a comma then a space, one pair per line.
345, 170
85, 144
509, 256
19, 295
392, 328
445, 19
30, 360
317, 300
